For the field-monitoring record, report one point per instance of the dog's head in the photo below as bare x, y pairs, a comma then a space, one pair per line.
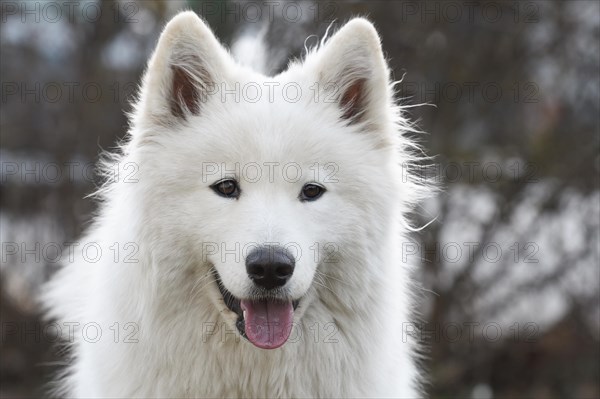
273, 185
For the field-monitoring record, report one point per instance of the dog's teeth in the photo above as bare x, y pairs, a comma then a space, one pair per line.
244, 314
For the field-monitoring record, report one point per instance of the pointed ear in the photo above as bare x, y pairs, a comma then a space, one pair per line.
187, 63
352, 64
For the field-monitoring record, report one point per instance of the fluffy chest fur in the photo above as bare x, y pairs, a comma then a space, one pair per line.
183, 348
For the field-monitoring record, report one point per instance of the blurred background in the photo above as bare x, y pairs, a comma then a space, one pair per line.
508, 93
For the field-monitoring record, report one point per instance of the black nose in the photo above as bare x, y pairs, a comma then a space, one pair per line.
270, 267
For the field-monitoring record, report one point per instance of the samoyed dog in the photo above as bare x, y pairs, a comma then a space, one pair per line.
250, 232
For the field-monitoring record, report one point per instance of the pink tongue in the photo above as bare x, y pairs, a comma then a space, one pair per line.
268, 324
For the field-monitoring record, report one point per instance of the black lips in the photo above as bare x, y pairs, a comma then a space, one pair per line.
233, 304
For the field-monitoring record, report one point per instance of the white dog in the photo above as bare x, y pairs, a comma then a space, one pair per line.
251, 240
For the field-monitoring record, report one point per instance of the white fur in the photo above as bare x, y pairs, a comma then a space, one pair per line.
170, 211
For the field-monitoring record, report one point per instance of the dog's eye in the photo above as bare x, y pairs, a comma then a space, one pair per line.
226, 188
311, 192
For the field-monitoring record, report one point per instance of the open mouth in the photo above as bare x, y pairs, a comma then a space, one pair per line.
265, 322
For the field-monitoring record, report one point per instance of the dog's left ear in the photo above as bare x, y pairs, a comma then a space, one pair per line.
187, 63
352, 64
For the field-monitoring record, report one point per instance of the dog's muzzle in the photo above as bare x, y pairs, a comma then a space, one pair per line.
265, 318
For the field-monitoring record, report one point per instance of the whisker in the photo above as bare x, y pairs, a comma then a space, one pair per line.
334, 278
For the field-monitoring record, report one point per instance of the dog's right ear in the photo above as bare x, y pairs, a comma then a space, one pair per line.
186, 65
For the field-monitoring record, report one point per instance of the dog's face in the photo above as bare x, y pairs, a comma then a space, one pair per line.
268, 183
